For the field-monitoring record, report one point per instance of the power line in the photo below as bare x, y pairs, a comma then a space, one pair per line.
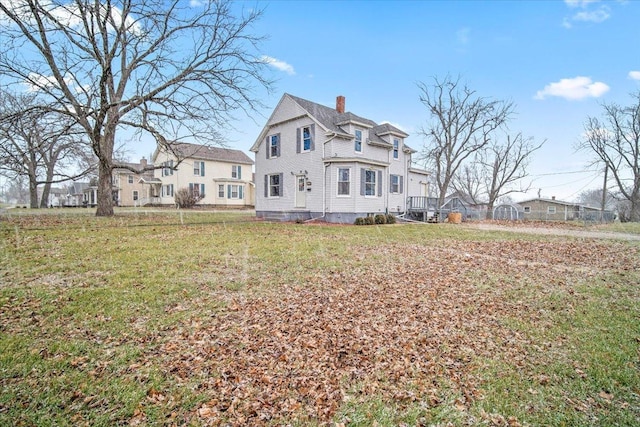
566, 173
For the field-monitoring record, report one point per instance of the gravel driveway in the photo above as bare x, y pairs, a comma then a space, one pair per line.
553, 231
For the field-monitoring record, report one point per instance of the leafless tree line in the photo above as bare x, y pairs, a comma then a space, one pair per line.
468, 144
171, 71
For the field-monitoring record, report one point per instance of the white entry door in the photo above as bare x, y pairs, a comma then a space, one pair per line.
301, 191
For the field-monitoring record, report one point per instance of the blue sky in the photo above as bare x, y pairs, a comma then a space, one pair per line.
556, 60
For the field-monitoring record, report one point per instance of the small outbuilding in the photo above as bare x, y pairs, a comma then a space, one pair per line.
509, 212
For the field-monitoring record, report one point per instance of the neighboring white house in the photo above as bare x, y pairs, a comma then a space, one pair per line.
314, 161
222, 176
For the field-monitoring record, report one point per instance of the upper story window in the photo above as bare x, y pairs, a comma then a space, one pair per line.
236, 171
273, 147
396, 148
130, 179
358, 141
167, 168
306, 138
198, 168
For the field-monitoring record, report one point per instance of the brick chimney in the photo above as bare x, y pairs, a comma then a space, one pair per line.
340, 104
553, 197
143, 162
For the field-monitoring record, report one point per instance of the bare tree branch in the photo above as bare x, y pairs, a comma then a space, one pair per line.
615, 141
461, 124
166, 70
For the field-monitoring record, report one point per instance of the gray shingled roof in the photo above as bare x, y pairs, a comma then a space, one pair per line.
204, 152
331, 119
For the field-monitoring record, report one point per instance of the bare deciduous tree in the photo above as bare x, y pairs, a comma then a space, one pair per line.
40, 145
495, 169
172, 70
461, 125
615, 141
505, 162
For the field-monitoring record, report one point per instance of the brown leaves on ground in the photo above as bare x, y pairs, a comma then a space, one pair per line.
405, 322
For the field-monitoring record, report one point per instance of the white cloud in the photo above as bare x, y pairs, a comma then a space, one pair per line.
597, 16
196, 3
634, 75
573, 89
587, 13
69, 15
279, 65
463, 35
37, 82
579, 3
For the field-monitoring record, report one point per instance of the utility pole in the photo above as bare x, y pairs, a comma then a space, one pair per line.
604, 193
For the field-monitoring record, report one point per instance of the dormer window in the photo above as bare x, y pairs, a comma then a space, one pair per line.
358, 141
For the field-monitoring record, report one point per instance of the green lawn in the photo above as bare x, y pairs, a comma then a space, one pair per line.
180, 317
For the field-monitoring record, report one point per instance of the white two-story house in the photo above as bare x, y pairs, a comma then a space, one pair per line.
223, 177
314, 161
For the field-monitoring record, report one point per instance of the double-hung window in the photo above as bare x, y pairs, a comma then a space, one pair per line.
273, 185
344, 181
221, 191
167, 190
369, 183
358, 141
273, 146
198, 168
395, 184
130, 179
396, 148
551, 210
167, 168
236, 171
196, 189
304, 139
135, 194
235, 191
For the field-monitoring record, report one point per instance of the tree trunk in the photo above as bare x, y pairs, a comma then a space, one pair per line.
489, 214
46, 189
33, 192
105, 191
634, 215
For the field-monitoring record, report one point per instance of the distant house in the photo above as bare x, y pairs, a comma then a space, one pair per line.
56, 197
132, 189
557, 210
80, 194
221, 176
314, 161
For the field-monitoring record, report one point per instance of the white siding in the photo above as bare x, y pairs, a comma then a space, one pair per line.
290, 163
